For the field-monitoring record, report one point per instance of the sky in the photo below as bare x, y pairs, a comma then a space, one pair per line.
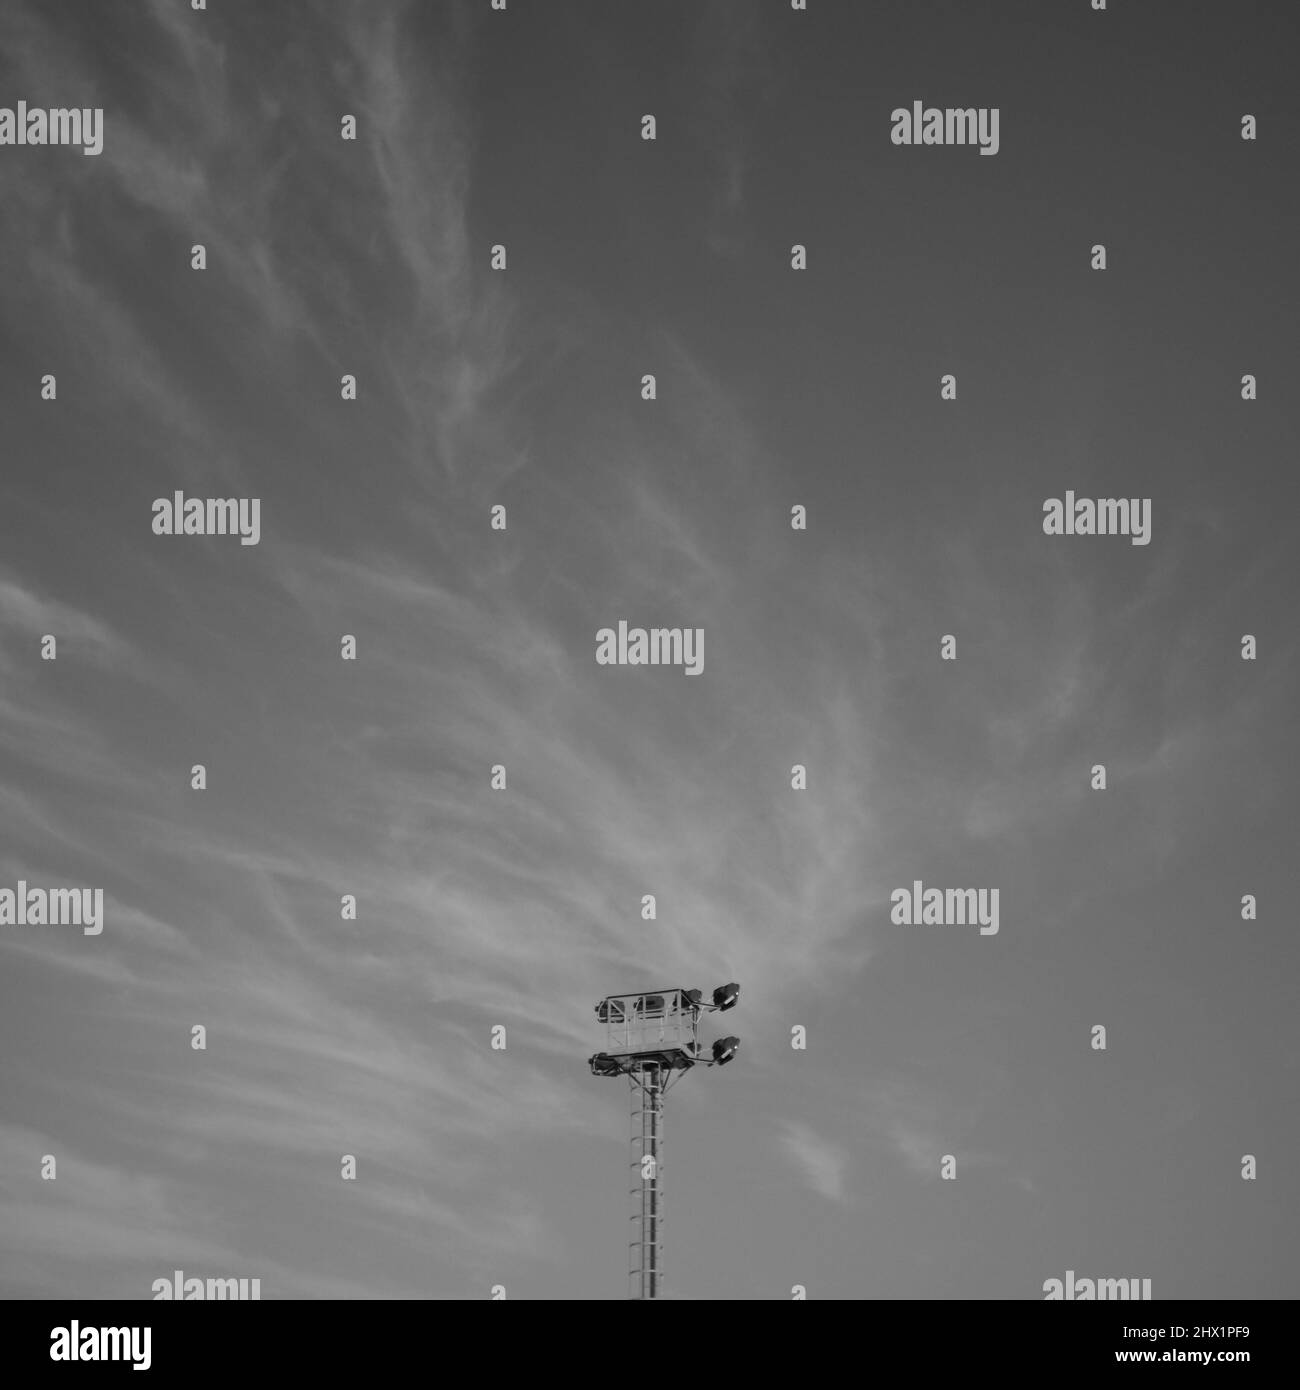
520, 908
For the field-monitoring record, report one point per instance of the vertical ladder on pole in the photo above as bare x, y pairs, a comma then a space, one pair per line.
646, 1265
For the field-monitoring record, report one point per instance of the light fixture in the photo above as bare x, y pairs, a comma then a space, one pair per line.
725, 996
602, 1064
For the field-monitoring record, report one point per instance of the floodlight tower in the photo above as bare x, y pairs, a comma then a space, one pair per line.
652, 1039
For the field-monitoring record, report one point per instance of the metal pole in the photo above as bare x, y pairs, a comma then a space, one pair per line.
647, 1186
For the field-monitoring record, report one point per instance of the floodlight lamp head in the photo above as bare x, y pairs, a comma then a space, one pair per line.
602, 1064
725, 996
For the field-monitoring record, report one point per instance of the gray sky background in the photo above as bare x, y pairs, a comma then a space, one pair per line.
522, 907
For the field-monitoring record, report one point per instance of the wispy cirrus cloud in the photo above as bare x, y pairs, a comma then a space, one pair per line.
481, 910
824, 1165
